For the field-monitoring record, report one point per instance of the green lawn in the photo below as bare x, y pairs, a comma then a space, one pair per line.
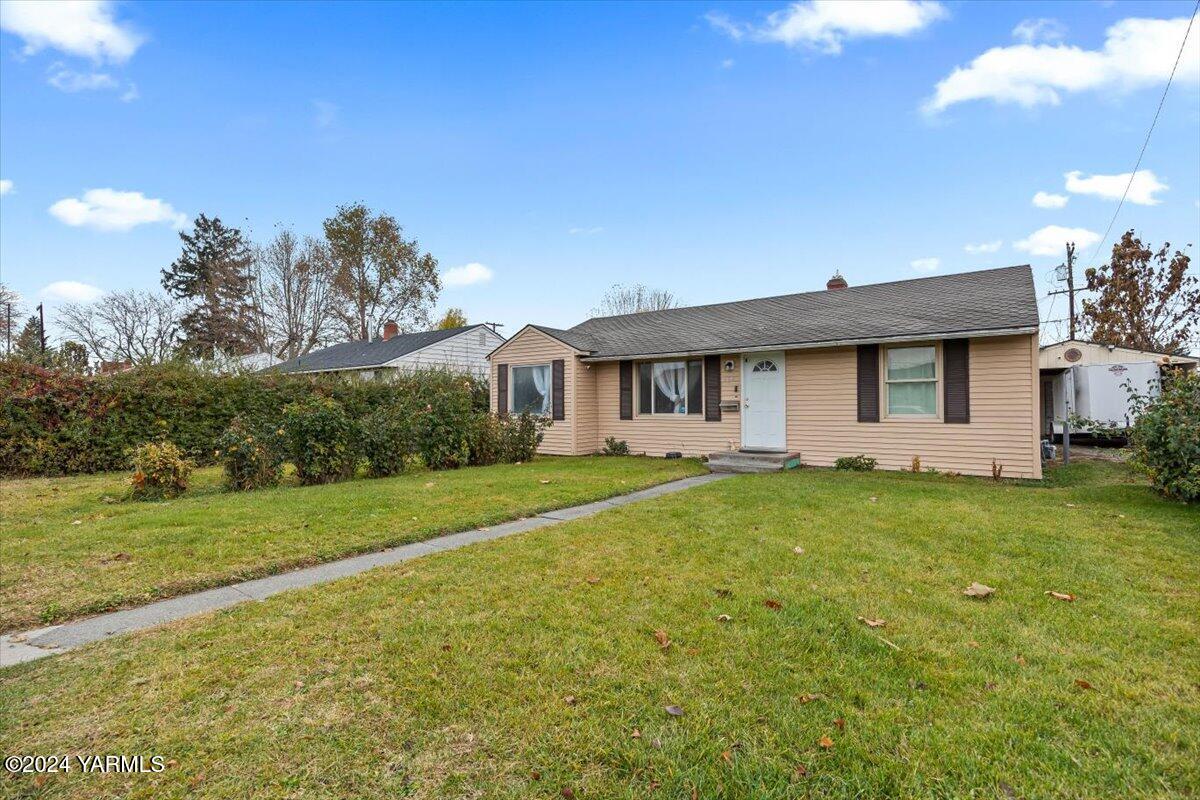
529, 665
71, 547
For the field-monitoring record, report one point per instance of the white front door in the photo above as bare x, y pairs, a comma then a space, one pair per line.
764, 415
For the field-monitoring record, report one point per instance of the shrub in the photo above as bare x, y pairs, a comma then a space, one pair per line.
1166, 437
323, 440
53, 423
522, 435
859, 463
160, 469
252, 455
615, 447
387, 441
486, 440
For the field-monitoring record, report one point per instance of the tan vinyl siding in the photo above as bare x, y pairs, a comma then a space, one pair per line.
658, 434
531, 346
822, 424
587, 426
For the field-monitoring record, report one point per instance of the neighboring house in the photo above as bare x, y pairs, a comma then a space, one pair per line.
944, 368
462, 349
1090, 380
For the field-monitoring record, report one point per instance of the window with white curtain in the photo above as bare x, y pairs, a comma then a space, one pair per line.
912, 381
529, 389
670, 387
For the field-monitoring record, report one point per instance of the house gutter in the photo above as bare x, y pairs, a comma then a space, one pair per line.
976, 334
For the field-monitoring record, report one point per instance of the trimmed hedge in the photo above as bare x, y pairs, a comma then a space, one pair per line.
54, 424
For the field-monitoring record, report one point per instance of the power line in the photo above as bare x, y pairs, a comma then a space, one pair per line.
1146, 143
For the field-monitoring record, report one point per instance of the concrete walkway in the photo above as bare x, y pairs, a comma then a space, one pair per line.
17, 648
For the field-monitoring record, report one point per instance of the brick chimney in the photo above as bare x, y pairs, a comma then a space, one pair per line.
390, 329
836, 282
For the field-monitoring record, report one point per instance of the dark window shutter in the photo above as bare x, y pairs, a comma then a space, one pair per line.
644, 388
868, 383
557, 383
502, 390
712, 388
625, 370
695, 390
956, 405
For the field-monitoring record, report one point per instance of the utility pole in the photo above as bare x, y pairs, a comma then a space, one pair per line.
8, 331
1069, 269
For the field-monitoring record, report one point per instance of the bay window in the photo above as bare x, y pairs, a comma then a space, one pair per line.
529, 389
670, 387
912, 381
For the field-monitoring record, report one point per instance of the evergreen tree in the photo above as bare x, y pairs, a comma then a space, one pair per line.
28, 344
212, 276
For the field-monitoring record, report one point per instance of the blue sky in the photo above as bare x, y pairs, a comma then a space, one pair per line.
719, 150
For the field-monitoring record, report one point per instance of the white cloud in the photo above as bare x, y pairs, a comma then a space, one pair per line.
984, 247
70, 292
130, 94
825, 25
1048, 200
1039, 30
1110, 187
1052, 240
1136, 53
68, 80
585, 231
6, 186
466, 275
926, 264
727, 63
112, 210
79, 27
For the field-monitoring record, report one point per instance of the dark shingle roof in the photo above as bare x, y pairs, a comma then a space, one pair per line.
987, 300
364, 355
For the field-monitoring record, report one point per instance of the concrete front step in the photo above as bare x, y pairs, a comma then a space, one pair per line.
748, 461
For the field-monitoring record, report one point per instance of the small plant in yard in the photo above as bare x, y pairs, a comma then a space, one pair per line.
615, 447
997, 470
387, 440
523, 434
323, 440
1166, 436
252, 455
487, 440
506, 439
160, 469
858, 463
916, 463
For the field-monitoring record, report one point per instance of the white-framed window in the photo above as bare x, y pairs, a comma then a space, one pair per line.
911, 381
529, 389
670, 387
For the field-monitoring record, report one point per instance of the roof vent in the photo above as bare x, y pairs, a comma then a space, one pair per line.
390, 329
836, 282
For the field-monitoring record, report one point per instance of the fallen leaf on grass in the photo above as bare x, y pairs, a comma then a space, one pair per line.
40, 779
1082, 684
674, 711
544, 481
874, 499
808, 698
800, 771
1069, 598
1020, 660
825, 742
774, 605
841, 724
569, 700
724, 618
663, 640
537, 776
873, 623
567, 793
636, 734
429, 484
977, 589
798, 550
723, 592
77, 522
592, 579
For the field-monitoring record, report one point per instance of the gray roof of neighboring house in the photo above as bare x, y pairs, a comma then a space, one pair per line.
365, 355
987, 300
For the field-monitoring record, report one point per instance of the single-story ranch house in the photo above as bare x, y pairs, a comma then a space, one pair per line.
944, 368
462, 350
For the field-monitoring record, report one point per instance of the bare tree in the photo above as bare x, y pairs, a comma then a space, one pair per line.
137, 326
293, 294
10, 315
620, 299
378, 275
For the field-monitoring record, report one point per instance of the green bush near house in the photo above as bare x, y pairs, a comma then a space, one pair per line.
387, 441
1166, 437
52, 423
615, 447
160, 470
252, 455
323, 440
858, 463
